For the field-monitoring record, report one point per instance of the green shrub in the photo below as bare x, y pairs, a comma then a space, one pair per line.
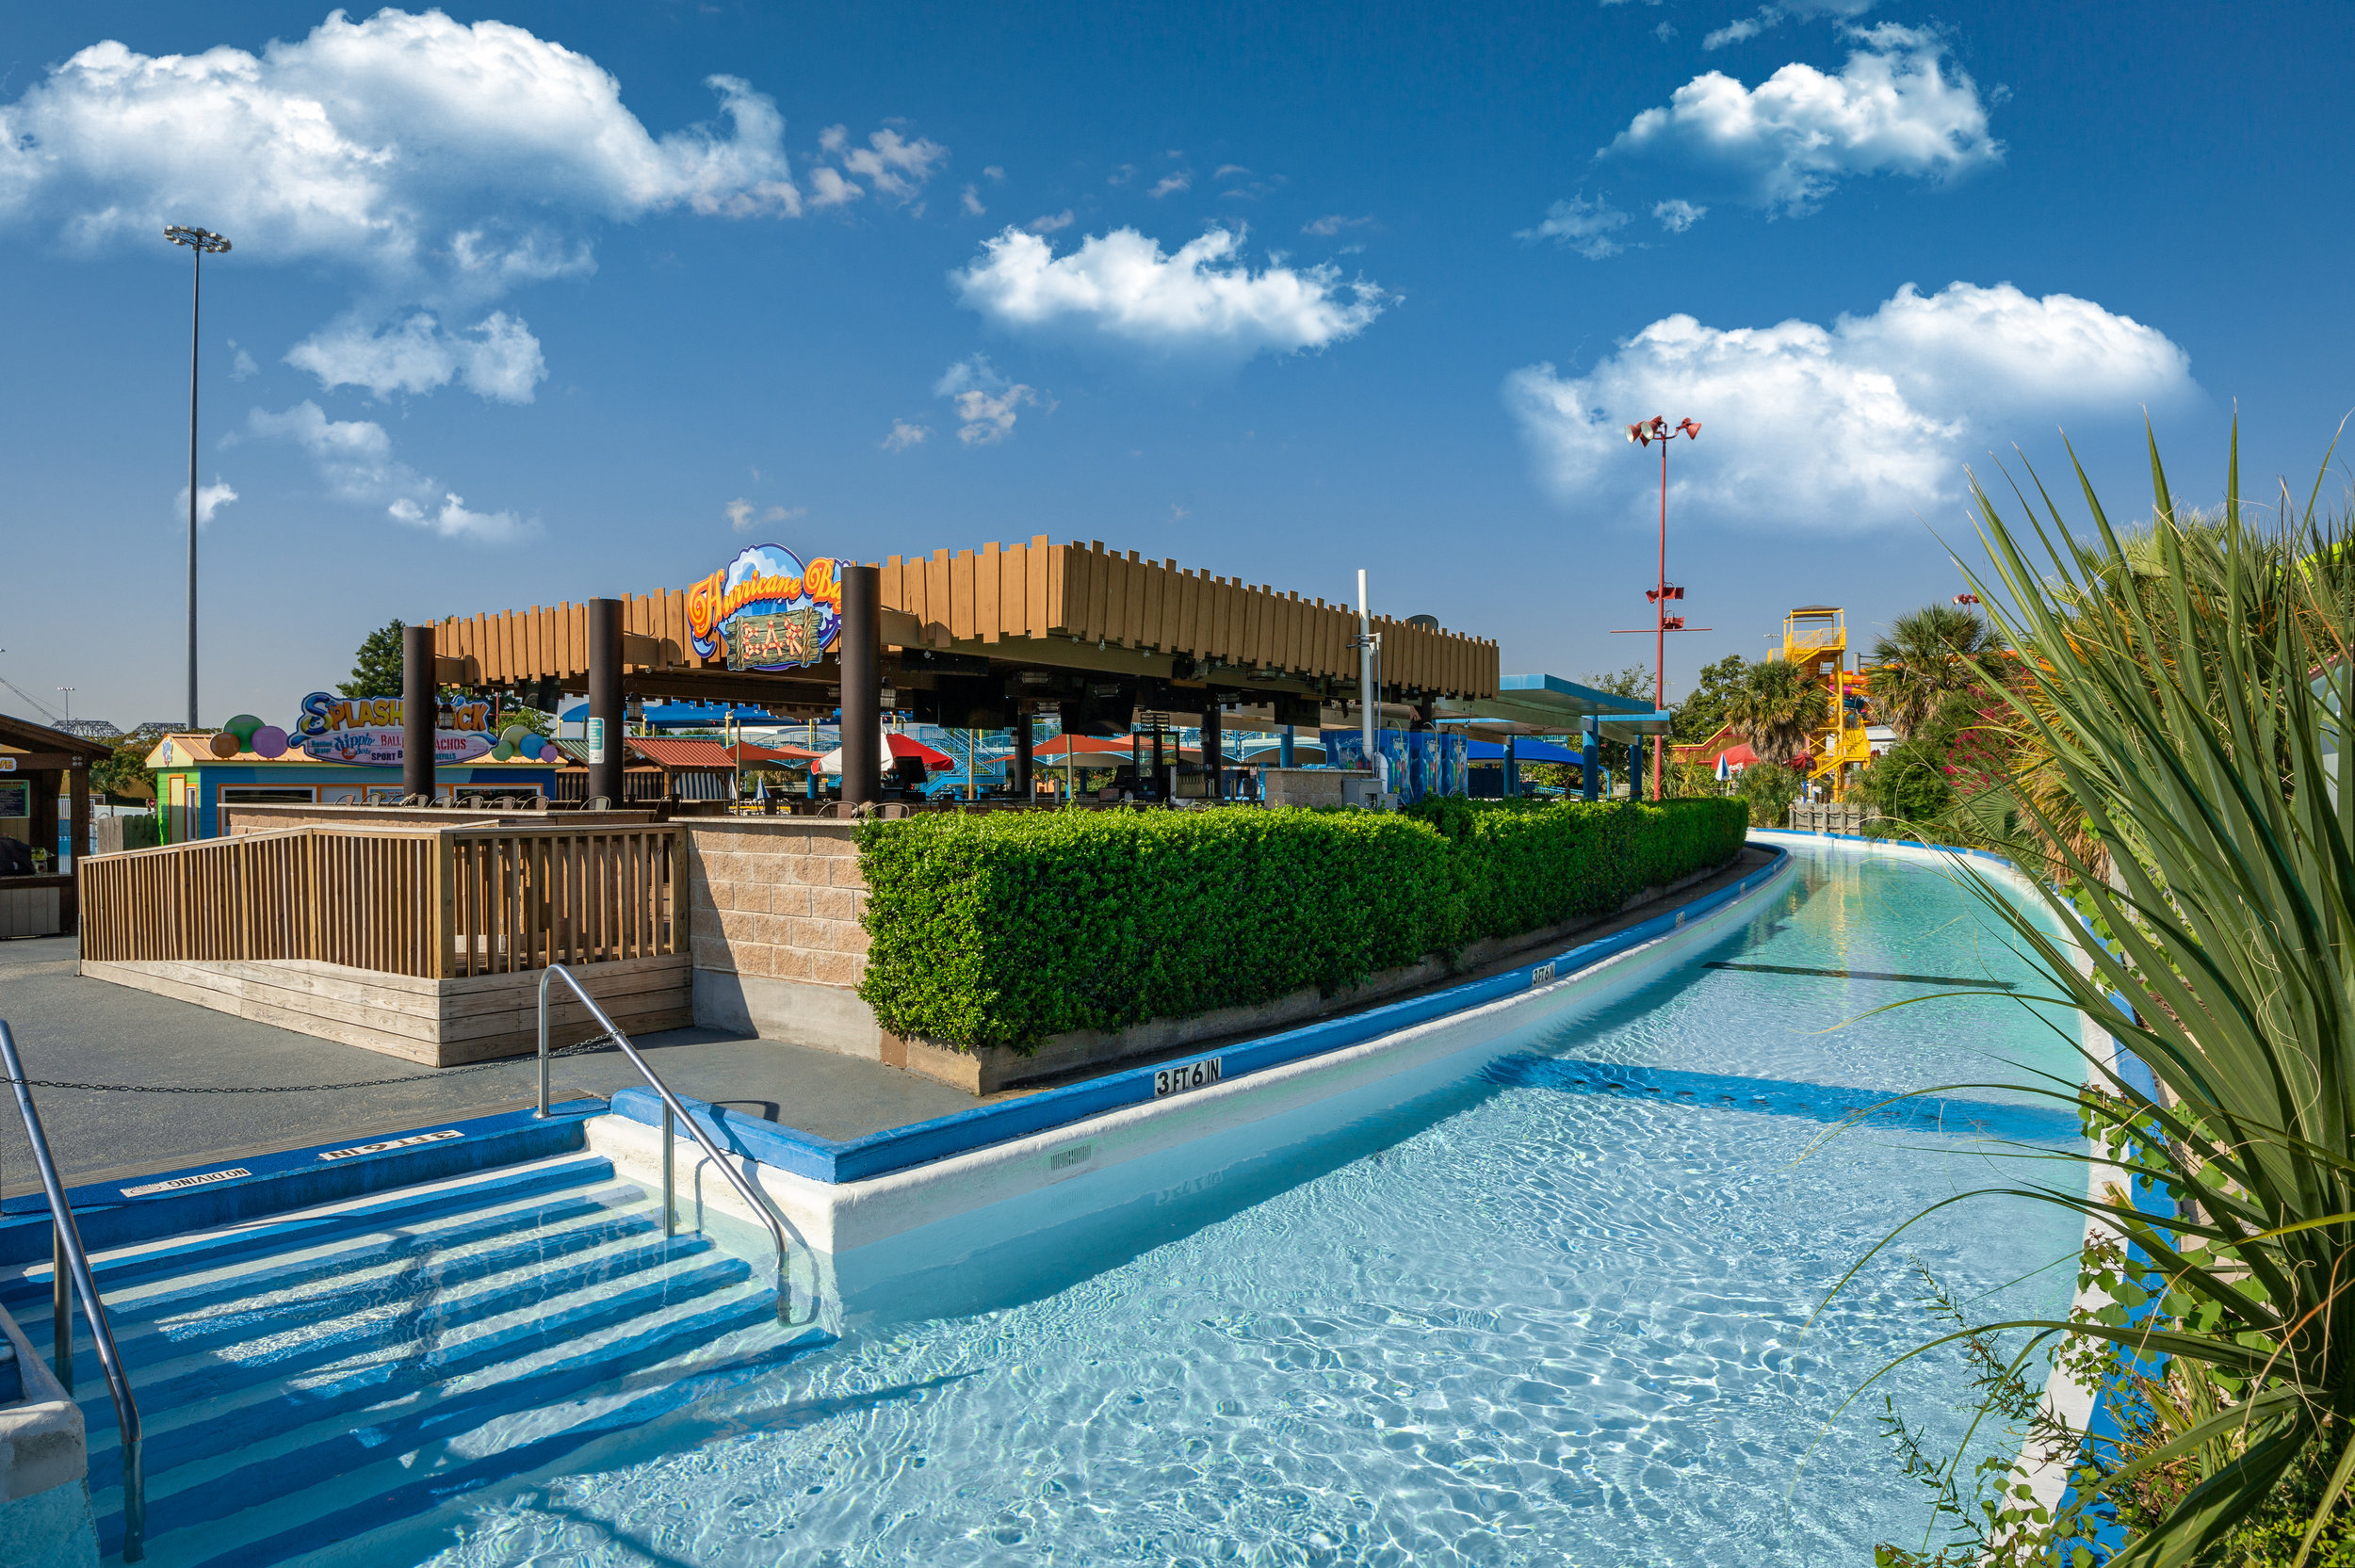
1520, 865
1005, 928
1768, 788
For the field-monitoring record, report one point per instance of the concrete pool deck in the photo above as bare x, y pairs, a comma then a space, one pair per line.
79, 1029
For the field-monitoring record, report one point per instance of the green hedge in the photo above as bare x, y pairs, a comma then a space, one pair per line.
1005, 928
1523, 864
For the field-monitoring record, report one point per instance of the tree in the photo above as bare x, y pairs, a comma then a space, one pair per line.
376, 667
1634, 680
1925, 659
1769, 787
1703, 713
1776, 709
122, 774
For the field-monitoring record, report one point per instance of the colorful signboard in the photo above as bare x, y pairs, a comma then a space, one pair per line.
766, 610
367, 730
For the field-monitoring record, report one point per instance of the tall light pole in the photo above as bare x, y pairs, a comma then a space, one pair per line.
199, 241
69, 691
1644, 432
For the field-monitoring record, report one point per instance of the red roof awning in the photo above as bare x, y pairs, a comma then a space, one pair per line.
681, 754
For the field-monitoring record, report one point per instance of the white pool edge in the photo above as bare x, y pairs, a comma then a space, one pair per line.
833, 1219
2065, 1398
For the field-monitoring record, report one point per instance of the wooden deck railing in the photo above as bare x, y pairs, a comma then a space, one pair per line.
431, 902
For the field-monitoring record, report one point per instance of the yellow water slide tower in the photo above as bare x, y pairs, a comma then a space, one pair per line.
1815, 637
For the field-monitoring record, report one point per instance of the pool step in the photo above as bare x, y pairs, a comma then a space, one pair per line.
307, 1379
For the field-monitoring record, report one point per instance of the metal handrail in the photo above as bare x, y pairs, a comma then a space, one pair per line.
673, 1112
68, 1260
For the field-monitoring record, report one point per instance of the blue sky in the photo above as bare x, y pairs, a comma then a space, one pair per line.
540, 302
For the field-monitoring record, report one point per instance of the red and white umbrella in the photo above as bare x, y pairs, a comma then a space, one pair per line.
894, 747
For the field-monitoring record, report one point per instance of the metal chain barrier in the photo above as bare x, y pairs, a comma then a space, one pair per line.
595, 1043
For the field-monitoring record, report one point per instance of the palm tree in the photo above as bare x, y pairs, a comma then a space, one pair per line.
1776, 709
1926, 658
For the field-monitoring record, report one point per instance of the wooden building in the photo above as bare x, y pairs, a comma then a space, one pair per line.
659, 770
39, 766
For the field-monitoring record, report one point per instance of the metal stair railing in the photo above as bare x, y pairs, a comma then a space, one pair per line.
68, 1261
673, 1113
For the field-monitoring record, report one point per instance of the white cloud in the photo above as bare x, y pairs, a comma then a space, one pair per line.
453, 521
1121, 175
743, 516
1841, 429
1230, 169
993, 173
1333, 223
971, 201
1666, 31
904, 435
407, 144
209, 499
1774, 15
1048, 225
243, 366
828, 189
496, 358
1896, 108
1170, 184
1676, 216
355, 459
987, 418
892, 164
1585, 227
986, 400
1200, 301
355, 456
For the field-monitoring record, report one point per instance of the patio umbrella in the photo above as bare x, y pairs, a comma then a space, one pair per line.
1084, 746
894, 747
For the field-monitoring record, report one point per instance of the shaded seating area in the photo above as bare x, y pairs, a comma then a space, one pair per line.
39, 768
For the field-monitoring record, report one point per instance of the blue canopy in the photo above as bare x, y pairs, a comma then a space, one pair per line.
684, 715
1523, 751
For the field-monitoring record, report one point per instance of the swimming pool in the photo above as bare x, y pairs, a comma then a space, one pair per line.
1556, 1312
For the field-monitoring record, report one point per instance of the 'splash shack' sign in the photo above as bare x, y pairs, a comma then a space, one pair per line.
367, 730
766, 610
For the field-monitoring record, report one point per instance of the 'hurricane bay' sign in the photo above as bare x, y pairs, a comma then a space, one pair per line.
766, 610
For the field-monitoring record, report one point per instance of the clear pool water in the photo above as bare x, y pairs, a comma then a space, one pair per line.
1522, 1320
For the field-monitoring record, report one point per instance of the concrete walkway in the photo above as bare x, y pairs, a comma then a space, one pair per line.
90, 1031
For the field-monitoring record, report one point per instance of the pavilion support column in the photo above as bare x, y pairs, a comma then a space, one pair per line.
1590, 763
416, 712
1512, 769
605, 745
862, 685
43, 827
1214, 751
1635, 769
78, 822
1018, 769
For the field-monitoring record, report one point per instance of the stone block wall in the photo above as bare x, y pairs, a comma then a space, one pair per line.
778, 945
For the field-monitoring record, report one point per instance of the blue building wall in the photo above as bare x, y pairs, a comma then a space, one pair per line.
207, 779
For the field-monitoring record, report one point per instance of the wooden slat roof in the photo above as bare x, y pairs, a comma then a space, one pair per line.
1022, 605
